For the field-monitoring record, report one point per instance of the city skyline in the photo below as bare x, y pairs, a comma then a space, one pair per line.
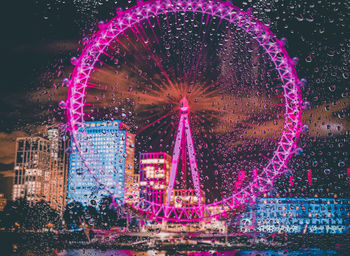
26, 101
58, 152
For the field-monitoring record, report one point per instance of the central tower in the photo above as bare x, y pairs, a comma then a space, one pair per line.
184, 140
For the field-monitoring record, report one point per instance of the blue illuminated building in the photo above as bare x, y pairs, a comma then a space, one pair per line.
298, 215
113, 147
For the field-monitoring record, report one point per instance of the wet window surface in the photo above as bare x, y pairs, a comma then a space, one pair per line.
175, 127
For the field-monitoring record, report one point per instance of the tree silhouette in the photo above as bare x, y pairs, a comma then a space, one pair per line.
74, 215
41, 214
19, 215
9, 215
91, 215
109, 213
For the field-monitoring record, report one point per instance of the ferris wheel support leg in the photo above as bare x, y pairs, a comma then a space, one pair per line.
175, 161
193, 161
183, 159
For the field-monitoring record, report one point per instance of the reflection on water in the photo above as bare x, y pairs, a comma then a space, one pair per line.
94, 252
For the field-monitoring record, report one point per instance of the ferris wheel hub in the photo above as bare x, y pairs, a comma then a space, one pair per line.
184, 108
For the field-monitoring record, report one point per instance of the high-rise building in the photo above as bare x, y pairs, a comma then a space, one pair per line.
3, 202
154, 176
32, 169
112, 161
131, 189
59, 169
41, 167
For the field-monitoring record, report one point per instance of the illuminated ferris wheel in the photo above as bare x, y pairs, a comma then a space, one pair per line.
199, 19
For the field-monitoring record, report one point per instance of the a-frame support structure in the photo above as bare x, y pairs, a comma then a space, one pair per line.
183, 138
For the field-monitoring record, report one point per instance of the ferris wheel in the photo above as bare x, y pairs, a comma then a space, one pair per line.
140, 27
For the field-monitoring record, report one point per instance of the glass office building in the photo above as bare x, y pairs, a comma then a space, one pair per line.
111, 159
298, 215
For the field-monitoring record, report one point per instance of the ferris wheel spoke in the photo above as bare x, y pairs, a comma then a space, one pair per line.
175, 161
193, 161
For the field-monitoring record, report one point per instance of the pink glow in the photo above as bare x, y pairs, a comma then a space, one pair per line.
193, 161
291, 181
184, 105
255, 175
175, 160
256, 184
267, 40
184, 163
156, 121
309, 177
239, 182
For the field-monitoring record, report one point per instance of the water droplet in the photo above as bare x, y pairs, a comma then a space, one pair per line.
308, 59
101, 25
310, 19
341, 164
300, 18
284, 41
303, 82
74, 61
332, 88
295, 61
65, 82
305, 128
306, 105
62, 104
299, 151
327, 171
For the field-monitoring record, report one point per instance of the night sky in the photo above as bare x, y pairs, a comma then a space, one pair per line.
40, 37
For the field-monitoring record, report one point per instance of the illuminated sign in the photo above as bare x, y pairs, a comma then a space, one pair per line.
152, 161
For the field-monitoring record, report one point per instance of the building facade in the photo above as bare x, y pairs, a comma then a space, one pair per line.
3, 202
59, 160
154, 176
113, 161
41, 166
298, 215
32, 169
131, 188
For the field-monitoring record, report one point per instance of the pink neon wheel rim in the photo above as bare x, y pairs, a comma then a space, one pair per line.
266, 39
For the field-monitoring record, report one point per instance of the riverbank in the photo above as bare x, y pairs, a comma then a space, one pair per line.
22, 241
